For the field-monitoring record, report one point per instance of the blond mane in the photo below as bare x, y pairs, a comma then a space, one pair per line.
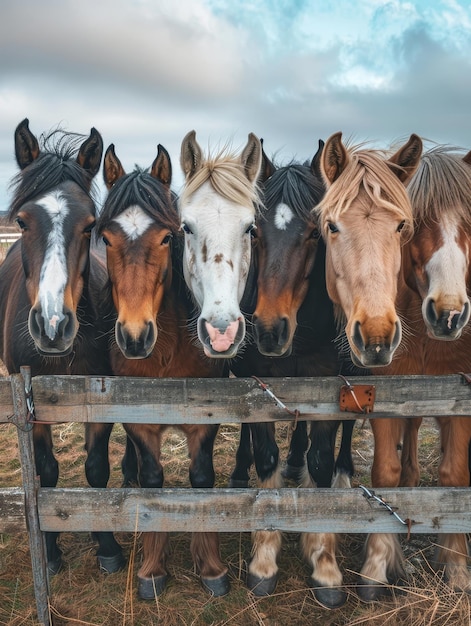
370, 172
442, 183
226, 175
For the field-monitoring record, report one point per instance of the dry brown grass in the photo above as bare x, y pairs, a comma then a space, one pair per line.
81, 595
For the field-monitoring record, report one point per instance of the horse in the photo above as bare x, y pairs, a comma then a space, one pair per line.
366, 219
142, 231
434, 304
47, 284
294, 334
217, 209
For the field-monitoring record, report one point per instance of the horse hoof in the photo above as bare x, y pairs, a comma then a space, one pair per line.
370, 592
217, 586
111, 564
261, 586
150, 588
238, 484
293, 472
330, 597
54, 567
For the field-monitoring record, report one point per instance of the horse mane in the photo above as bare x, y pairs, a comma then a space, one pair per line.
442, 182
295, 185
141, 189
226, 175
367, 170
55, 164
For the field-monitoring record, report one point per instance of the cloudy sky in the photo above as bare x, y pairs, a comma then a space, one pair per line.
145, 72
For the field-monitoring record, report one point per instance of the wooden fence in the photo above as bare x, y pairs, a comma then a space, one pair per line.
182, 401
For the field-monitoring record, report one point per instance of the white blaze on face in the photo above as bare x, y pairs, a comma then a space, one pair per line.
134, 222
283, 216
53, 277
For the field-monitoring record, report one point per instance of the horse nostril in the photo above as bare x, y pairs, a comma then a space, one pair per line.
431, 312
357, 336
283, 331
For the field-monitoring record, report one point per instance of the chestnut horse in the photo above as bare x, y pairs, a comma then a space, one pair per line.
141, 228
366, 217
294, 331
47, 286
435, 280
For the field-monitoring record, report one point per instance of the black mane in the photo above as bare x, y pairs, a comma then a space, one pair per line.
142, 189
55, 165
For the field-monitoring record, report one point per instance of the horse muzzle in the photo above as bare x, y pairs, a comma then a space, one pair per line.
53, 336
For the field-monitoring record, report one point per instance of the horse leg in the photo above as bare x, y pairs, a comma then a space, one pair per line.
295, 461
343, 470
319, 549
97, 470
452, 553
410, 474
129, 467
263, 569
244, 459
383, 562
152, 575
47, 469
205, 546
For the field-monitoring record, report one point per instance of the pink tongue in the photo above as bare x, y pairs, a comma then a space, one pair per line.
220, 342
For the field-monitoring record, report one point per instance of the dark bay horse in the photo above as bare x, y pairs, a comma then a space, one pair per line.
48, 281
295, 331
144, 246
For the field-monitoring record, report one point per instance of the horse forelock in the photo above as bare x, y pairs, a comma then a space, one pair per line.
55, 165
441, 184
295, 186
140, 189
227, 178
367, 174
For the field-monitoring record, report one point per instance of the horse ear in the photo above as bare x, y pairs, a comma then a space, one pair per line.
251, 158
316, 160
467, 158
191, 155
267, 169
26, 145
407, 159
334, 158
90, 153
162, 167
112, 168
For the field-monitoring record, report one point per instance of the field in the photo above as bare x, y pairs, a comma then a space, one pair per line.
81, 595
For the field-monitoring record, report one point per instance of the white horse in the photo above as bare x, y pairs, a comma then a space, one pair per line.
217, 211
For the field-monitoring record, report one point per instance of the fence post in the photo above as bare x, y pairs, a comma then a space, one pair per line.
20, 383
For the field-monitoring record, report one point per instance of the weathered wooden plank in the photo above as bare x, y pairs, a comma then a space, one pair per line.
180, 401
12, 510
433, 510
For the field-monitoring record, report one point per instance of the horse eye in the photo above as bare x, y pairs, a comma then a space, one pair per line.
106, 241
167, 239
186, 229
88, 229
332, 227
21, 223
315, 234
401, 226
251, 230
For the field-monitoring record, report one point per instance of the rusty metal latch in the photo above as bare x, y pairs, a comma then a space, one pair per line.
356, 398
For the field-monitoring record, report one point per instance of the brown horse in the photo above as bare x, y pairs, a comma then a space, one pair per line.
47, 286
435, 280
141, 228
